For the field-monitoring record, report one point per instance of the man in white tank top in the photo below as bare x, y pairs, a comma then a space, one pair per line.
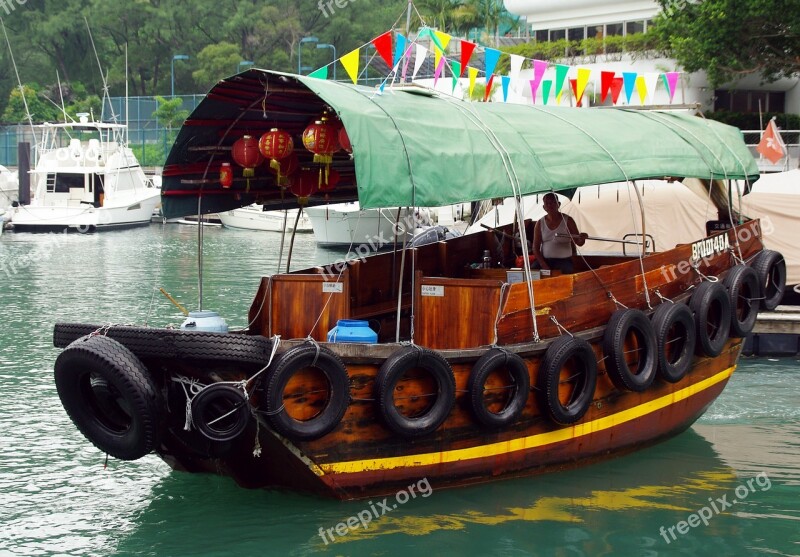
553, 238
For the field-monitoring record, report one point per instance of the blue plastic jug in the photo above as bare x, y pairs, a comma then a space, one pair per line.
352, 330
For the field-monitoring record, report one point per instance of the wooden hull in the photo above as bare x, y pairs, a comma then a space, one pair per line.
361, 457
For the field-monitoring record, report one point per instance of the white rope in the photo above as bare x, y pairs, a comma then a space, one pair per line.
194, 387
344, 265
662, 118
554, 320
627, 179
662, 297
511, 173
503, 292
157, 275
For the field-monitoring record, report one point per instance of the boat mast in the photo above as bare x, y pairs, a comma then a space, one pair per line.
19, 83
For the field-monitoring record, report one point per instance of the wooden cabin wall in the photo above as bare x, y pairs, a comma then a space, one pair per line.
455, 313
298, 305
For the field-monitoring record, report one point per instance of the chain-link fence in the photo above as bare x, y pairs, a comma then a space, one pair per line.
147, 137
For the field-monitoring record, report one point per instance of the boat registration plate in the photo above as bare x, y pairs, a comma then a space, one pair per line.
332, 287
432, 290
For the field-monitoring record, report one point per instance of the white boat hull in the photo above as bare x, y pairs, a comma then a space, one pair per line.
344, 225
84, 218
253, 218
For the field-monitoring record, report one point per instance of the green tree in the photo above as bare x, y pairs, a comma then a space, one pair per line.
169, 113
41, 110
215, 62
733, 38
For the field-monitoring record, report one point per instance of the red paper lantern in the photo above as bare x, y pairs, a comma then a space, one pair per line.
276, 144
286, 167
245, 153
344, 140
226, 175
303, 185
321, 139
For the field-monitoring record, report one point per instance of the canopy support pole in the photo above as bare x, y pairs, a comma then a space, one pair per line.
291, 242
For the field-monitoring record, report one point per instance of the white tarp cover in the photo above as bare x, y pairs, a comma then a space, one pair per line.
674, 214
775, 199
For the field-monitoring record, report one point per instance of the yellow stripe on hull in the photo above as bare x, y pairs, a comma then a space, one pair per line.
525, 443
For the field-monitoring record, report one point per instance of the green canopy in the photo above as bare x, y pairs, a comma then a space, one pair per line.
413, 147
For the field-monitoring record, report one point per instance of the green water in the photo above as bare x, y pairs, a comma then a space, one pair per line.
56, 498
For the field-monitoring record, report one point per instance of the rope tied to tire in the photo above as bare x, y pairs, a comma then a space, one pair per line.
696, 267
616, 302
661, 297
194, 386
561, 327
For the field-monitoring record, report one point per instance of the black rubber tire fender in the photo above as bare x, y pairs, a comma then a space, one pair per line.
390, 373
622, 323
558, 354
770, 266
498, 359
220, 412
278, 376
152, 342
110, 396
711, 300
744, 291
674, 362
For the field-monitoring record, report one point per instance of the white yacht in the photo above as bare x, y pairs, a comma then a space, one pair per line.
254, 217
344, 224
9, 187
85, 179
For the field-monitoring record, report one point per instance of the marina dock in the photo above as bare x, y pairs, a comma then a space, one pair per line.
776, 333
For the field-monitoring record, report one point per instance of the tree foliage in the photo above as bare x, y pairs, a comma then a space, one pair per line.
730, 39
137, 40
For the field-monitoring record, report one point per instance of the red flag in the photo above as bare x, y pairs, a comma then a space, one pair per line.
488, 91
606, 80
616, 88
383, 45
466, 52
771, 145
573, 83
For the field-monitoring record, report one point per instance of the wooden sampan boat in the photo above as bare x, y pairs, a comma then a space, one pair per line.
472, 376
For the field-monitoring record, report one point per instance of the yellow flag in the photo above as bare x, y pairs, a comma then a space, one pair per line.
350, 63
437, 55
641, 88
444, 39
583, 80
473, 74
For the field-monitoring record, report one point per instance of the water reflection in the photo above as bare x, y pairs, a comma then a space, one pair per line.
57, 499
615, 507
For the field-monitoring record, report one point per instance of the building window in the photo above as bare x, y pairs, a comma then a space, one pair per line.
594, 32
648, 25
540, 36
577, 33
632, 27
613, 29
748, 101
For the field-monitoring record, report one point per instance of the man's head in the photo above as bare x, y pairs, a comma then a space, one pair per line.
550, 202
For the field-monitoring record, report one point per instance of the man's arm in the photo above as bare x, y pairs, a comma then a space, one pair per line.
537, 245
578, 237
